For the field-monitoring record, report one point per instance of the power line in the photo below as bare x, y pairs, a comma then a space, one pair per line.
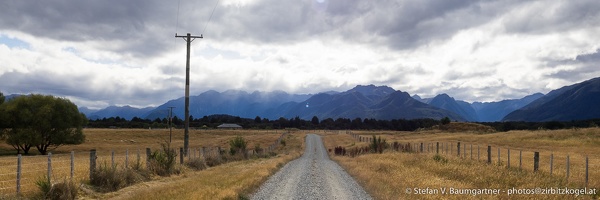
211, 14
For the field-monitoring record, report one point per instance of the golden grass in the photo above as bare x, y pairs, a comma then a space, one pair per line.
386, 176
226, 181
105, 141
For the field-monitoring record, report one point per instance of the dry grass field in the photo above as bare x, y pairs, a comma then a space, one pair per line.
388, 175
134, 141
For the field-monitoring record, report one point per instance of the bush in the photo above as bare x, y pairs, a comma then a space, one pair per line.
61, 190
110, 178
439, 158
212, 161
196, 164
162, 162
237, 144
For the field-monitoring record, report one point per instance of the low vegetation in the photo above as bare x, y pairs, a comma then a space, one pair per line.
398, 175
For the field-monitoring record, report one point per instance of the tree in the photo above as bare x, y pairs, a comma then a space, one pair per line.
314, 120
445, 120
257, 120
2, 98
42, 121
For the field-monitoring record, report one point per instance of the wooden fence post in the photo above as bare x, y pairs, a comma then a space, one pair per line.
19, 174
508, 161
478, 158
72, 165
489, 152
464, 150
551, 162
421, 147
148, 152
586, 170
437, 147
536, 161
50, 168
471, 151
180, 155
126, 158
458, 149
568, 168
499, 156
92, 163
112, 158
520, 159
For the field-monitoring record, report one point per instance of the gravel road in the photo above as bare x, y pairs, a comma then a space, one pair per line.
312, 176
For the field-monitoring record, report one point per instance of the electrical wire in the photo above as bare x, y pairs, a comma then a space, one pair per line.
211, 14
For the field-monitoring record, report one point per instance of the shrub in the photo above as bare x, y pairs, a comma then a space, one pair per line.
109, 178
196, 164
212, 161
439, 158
282, 142
61, 190
237, 144
162, 162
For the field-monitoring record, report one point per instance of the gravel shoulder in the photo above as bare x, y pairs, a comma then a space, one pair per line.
312, 176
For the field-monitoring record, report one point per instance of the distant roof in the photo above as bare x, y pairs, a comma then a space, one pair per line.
229, 126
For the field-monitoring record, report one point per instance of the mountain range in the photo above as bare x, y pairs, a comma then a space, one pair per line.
574, 102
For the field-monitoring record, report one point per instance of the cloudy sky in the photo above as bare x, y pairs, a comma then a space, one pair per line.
113, 52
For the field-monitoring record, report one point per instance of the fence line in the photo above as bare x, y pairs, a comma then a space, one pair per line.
20, 178
539, 162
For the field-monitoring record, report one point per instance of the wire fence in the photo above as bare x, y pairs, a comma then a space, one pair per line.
579, 169
19, 174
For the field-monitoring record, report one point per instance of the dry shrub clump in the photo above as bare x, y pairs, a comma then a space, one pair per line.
64, 189
113, 178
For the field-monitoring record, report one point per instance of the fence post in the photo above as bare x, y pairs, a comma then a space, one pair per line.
464, 150
568, 170
489, 152
458, 149
126, 158
508, 161
586, 170
437, 147
72, 164
499, 156
180, 155
49, 168
520, 158
138, 158
471, 151
478, 158
148, 152
219, 153
551, 162
18, 174
92, 163
536, 161
112, 158
421, 147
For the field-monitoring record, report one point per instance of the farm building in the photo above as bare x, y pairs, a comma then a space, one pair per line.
229, 126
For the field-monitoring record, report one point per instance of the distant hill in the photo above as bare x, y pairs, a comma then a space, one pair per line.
378, 102
477, 111
126, 112
495, 111
575, 102
231, 102
461, 108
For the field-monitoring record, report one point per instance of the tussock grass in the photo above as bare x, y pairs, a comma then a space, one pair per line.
388, 175
105, 141
227, 181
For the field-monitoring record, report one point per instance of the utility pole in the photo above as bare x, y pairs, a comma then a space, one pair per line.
170, 124
186, 137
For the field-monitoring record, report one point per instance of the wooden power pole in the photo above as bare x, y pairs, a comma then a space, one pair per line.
186, 137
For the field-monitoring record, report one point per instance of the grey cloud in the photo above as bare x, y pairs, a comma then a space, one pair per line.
555, 18
586, 67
